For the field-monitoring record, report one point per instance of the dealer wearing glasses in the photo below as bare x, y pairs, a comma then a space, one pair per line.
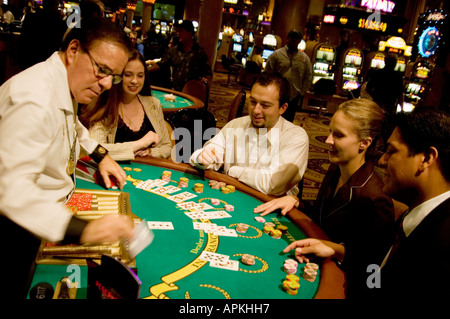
40, 141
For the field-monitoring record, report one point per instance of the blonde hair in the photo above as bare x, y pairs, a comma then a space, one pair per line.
368, 119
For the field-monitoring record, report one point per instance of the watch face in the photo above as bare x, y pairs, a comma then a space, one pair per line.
101, 150
429, 42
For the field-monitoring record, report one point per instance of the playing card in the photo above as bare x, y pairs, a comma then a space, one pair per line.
198, 225
165, 190
225, 232
178, 198
204, 206
189, 205
213, 257
197, 215
142, 237
160, 225
230, 265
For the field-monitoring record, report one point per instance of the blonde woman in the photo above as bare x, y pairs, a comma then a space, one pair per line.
351, 207
128, 121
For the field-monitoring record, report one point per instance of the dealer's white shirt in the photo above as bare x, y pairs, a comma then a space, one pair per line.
37, 130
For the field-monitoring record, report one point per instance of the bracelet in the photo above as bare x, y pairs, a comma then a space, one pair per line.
99, 153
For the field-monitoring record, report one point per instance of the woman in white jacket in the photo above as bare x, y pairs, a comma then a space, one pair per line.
127, 120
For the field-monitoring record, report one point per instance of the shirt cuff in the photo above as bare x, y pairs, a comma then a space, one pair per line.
235, 171
74, 230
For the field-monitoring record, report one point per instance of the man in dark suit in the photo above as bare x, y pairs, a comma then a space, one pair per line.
417, 173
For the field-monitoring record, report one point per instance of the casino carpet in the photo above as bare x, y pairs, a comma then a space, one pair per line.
221, 97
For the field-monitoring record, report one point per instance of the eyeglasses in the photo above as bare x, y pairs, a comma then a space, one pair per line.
102, 72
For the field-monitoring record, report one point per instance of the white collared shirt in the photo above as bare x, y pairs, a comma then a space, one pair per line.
416, 215
270, 161
37, 130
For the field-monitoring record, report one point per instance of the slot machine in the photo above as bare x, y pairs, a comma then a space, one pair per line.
270, 44
324, 58
350, 71
237, 46
417, 83
431, 51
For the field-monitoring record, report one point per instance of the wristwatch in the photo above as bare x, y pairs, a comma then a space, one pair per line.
99, 153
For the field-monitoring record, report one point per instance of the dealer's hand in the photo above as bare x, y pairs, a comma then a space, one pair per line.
107, 229
109, 167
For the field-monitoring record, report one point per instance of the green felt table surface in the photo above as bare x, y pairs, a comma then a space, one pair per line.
179, 103
170, 268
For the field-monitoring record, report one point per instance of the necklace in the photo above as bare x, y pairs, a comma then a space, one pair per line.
124, 117
130, 122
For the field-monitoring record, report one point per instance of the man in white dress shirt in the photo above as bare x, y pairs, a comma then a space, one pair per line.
40, 141
262, 150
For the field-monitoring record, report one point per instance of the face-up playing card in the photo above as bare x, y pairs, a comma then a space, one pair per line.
213, 257
165, 190
189, 205
204, 206
229, 265
225, 232
198, 214
160, 225
178, 198
142, 237
151, 183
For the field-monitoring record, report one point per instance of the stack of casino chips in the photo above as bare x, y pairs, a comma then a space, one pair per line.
184, 182
198, 188
214, 184
248, 259
215, 201
231, 188
241, 228
291, 286
290, 266
166, 175
268, 227
275, 233
229, 208
310, 272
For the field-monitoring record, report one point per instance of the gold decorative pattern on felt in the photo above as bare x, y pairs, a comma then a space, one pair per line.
214, 208
223, 292
264, 267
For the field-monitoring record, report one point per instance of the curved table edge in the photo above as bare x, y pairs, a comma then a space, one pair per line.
197, 103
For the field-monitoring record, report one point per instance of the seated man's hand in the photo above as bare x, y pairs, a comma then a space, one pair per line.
209, 156
285, 203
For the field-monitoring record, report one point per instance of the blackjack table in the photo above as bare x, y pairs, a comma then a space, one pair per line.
173, 101
172, 266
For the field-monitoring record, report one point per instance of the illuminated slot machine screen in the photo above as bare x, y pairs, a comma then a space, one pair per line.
237, 47
270, 40
422, 72
238, 38
353, 59
351, 85
266, 53
400, 67
377, 62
